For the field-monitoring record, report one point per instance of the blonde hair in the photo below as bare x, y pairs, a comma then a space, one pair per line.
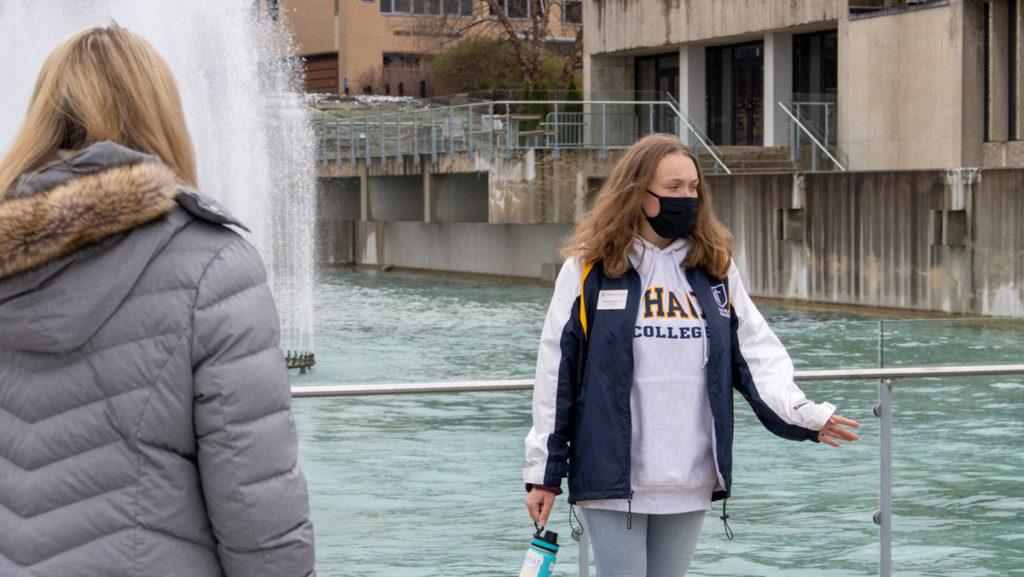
103, 83
606, 233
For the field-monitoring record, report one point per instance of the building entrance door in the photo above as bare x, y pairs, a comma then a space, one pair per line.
735, 94
657, 79
748, 96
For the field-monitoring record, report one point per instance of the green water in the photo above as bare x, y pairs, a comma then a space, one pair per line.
430, 484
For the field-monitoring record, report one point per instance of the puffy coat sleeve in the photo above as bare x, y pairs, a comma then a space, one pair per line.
763, 372
547, 444
255, 493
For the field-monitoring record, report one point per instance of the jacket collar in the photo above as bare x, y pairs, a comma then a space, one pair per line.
80, 200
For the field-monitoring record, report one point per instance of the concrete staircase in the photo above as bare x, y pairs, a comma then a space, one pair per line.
757, 159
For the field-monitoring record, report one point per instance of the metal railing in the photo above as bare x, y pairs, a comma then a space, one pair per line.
496, 128
700, 139
887, 377
813, 134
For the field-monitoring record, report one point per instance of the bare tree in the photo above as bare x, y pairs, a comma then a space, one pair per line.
530, 38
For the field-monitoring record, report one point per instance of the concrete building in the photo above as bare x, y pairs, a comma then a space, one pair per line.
923, 97
895, 84
383, 46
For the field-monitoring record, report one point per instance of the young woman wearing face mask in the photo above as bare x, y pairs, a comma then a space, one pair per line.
648, 333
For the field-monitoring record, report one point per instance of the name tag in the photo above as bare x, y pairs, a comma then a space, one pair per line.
612, 300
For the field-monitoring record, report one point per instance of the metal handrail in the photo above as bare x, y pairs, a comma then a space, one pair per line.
527, 384
704, 139
810, 134
883, 410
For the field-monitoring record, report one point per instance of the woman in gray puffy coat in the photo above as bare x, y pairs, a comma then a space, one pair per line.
145, 420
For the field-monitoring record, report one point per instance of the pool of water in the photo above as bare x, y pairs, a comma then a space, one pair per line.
430, 485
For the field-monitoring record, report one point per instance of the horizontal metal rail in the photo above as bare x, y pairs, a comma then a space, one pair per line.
526, 384
887, 377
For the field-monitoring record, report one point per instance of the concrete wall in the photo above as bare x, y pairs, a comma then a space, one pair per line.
505, 250
856, 238
527, 187
901, 90
395, 198
338, 198
337, 210
459, 197
616, 25
999, 243
533, 187
866, 239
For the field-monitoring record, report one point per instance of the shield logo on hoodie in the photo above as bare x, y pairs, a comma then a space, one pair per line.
721, 299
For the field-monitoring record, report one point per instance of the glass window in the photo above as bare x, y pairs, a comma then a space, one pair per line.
385, 7
517, 8
572, 11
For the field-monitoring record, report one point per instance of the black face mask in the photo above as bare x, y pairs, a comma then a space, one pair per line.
676, 216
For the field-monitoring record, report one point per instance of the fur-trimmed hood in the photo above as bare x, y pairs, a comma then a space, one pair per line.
75, 236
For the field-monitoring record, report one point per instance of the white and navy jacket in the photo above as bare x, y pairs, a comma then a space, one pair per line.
581, 401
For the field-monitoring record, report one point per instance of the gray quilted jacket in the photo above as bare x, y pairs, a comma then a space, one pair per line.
145, 420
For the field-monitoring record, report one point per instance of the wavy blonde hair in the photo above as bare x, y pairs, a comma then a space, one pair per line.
606, 233
103, 83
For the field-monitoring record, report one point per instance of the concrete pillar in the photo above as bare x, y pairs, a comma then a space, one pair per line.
428, 193
1018, 80
998, 67
364, 193
607, 78
778, 85
973, 70
693, 88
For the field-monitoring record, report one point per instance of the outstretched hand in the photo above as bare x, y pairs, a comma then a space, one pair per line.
834, 429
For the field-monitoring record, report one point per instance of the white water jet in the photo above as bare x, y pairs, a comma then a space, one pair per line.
240, 88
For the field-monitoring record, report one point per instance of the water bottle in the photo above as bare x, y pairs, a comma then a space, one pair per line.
540, 557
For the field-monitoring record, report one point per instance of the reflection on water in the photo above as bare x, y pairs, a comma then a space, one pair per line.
430, 484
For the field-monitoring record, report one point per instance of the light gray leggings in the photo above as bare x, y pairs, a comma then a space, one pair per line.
656, 546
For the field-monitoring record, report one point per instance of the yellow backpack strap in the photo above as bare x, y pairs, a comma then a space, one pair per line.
583, 304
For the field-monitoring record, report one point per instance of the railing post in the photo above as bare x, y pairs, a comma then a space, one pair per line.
469, 132
490, 128
793, 135
366, 125
827, 143
415, 136
883, 518
604, 131
380, 133
433, 137
451, 133
555, 154
650, 119
398, 135
508, 131
352, 142
337, 143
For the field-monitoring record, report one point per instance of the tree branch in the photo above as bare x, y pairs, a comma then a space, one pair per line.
510, 31
572, 61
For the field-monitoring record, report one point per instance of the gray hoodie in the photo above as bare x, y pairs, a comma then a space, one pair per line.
672, 464
145, 421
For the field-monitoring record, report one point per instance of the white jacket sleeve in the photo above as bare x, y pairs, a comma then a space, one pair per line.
549, 361
770, 376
